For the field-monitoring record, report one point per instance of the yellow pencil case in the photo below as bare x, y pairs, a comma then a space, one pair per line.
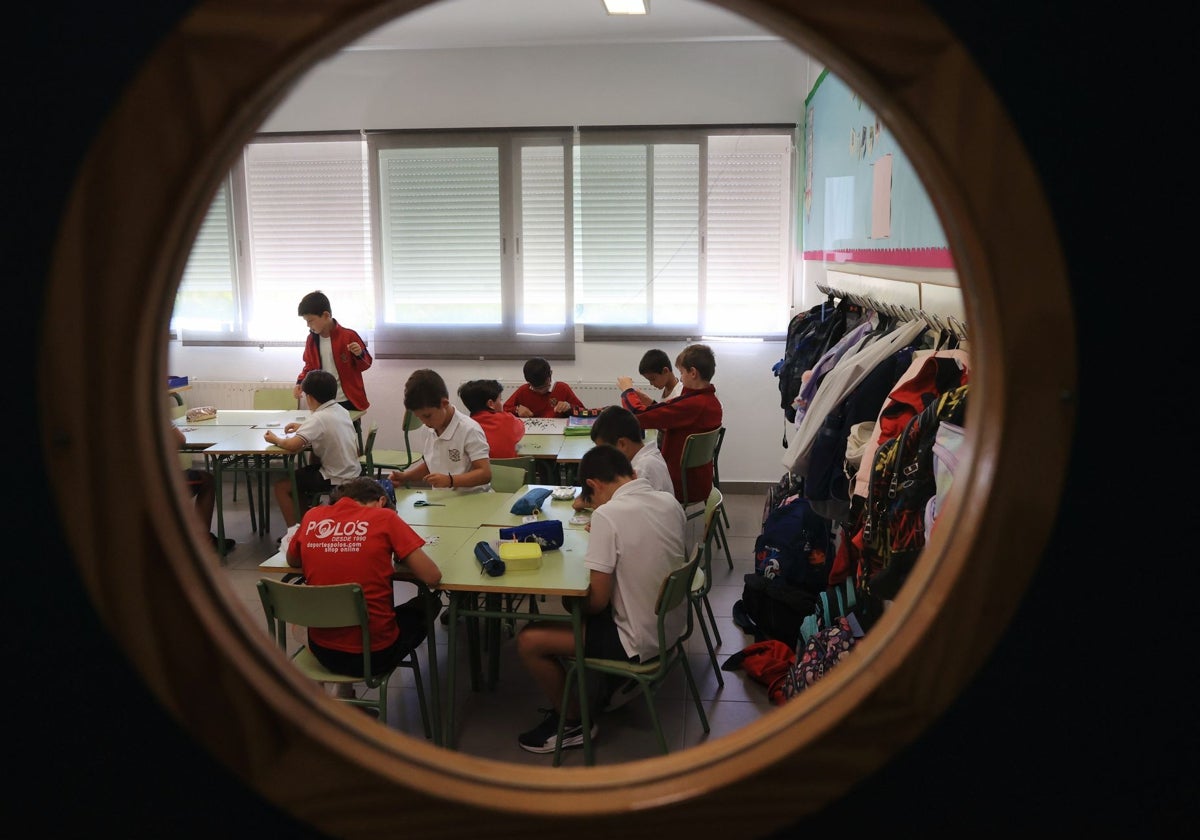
521, 556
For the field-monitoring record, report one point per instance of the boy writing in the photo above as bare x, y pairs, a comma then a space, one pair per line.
696, 409
456, 453
637, 539
330, 433
360, 550
655, 366
502, 429
540, 396
618, 427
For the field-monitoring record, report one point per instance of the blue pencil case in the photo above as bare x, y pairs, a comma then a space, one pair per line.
548, 533
531, 502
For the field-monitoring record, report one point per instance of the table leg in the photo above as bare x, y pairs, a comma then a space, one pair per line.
492, 627
218, 480
432, 601
451, 668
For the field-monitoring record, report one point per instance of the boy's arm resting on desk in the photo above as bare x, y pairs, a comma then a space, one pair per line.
290, 444
414, 473
420, 566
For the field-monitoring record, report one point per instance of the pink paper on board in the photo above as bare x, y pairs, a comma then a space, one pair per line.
881, 198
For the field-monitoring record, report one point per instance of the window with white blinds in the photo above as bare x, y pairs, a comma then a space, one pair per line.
496, 243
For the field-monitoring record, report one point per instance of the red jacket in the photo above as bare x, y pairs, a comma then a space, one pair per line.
540, 404
694, 410
349, 366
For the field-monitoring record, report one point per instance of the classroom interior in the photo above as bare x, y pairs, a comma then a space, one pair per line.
753, 79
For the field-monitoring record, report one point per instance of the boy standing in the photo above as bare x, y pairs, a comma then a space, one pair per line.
360, 550
503, 429
636, 540
540, 396
337, 349
655, 366
330, 433
456, 453
696, 409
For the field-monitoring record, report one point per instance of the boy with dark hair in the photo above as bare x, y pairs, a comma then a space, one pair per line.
540, 396
696, 409
655, 366
618, 427
502, 429
330, 433
337, 349
637, 539
455, 449
358, 548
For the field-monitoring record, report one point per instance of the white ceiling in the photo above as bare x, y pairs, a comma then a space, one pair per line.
451, 24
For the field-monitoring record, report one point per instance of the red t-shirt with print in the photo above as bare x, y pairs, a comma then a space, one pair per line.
348, 543
502, 430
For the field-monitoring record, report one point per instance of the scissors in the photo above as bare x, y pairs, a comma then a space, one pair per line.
427, 503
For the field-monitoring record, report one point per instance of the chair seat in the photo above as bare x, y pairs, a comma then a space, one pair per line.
312, 668
699, 580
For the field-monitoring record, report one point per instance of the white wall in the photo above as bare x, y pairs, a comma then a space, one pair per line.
659, 84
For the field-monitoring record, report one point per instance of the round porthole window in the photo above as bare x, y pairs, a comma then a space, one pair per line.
153, 166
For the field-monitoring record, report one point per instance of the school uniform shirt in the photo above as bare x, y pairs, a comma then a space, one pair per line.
637, 536
542, 405
452, 452
347, 367
649, 464
502, 430
676, 389
330, 432
694, 410
348, 543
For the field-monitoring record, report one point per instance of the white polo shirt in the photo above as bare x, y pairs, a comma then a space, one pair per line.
649, 464
330, 432
452, 452
637, 536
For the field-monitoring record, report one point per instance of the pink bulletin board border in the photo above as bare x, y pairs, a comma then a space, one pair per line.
909, 257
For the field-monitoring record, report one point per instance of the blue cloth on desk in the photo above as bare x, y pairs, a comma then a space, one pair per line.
531, 502
547, 534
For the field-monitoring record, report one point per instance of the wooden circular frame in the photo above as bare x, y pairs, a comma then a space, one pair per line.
124, 239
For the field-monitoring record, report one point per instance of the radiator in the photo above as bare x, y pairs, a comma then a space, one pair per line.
227, 395
593, 394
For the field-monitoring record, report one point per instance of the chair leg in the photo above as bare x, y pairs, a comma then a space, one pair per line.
712, 653
416, 669
712, 620
691, 681
662, 739
723, 542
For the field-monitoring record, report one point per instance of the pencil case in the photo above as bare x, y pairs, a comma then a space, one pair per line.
521, 556
489, 559
546, 534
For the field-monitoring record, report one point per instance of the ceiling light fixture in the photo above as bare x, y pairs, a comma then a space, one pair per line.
627, 7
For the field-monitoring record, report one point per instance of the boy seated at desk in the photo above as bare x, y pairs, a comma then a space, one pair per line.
329, 431
541, 396
502, 429
354, 541
636, 540
456, 453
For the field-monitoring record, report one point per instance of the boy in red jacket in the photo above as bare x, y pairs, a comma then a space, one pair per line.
337, 349
696, 409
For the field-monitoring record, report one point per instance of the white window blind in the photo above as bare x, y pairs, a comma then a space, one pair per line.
308, 228
544, 281
207, 298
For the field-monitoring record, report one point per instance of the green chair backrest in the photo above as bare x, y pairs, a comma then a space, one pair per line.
700, 448
507, 479
274, 398
527, 464
341, 605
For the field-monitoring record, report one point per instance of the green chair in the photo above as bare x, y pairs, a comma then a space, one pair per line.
375, 460
717, 479
649, 675
702, 583
275, 399
342, 605
699, 448
507, 479
527, 464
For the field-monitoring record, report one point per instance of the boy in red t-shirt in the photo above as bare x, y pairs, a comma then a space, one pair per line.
540, 396
503, 430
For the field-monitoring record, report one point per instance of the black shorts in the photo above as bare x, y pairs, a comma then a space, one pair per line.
601, 639
309, 480
412, 623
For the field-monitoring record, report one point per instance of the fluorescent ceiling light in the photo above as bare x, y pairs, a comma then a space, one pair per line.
627, 7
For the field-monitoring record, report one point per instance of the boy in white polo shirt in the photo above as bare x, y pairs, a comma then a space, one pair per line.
636, 540
329, 431
454, 447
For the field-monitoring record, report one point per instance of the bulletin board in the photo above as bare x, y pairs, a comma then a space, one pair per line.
862, 201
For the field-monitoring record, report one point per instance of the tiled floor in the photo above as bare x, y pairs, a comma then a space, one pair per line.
488, 722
